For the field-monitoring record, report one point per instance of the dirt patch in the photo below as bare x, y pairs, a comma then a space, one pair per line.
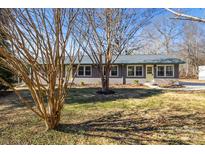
190, 92
192, 80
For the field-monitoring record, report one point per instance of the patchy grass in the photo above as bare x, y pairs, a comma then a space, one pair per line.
192, 80
131, 116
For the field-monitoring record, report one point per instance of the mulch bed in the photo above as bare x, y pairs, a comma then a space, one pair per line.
5, 93
107, 92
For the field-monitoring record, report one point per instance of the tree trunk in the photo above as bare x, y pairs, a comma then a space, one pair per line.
52, 121
105, 80
105, 84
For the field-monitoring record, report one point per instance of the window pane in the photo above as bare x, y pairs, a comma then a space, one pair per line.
114, 71
81, 70
160, 70
149, 70
130, 70
87, 70
104, 70
138, 70
169, 71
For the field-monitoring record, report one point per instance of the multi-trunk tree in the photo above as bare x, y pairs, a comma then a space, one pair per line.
41, 43
110, 32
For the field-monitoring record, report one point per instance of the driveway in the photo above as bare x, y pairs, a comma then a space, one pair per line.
187, 85
192, 85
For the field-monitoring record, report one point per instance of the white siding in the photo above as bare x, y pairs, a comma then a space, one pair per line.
132, 80
201, 72
97, 80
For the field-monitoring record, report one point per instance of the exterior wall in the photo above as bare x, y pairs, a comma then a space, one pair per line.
156, 81
132, 80
176, 71
122, 77
96, 74
135, 77
97, 80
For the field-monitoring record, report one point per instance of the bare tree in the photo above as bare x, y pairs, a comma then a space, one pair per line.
192, 42
41, 42
161, 35
169, 31
111, 32
182, 16
191, 48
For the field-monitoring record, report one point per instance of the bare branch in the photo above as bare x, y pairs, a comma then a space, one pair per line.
185, 16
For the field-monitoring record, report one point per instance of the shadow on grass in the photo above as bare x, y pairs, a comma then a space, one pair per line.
133, 129
5, 93
89, 95
77, 96
10, 101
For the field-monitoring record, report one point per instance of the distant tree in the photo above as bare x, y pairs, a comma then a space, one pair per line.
193, 44
41, 43
192, 48
161, 36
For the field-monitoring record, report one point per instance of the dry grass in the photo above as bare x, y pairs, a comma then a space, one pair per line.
192, 80
131, 116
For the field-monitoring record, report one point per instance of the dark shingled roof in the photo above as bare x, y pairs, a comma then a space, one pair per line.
138, 59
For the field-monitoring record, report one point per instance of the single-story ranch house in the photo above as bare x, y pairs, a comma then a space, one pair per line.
128, 69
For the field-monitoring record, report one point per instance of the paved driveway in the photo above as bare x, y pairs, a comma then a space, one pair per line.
192, 85
186, 86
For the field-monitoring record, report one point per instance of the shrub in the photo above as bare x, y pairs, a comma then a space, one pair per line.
82, 83
136, 82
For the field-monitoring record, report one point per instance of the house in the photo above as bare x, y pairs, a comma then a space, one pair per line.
128, 69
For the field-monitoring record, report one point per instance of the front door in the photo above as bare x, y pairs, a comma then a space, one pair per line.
149, 72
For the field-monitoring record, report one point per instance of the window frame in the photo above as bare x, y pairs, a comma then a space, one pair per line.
110, 73
135, 71
128, 71
165, 70
117, 71
84, 66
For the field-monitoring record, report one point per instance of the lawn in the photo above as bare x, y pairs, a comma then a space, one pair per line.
131, 116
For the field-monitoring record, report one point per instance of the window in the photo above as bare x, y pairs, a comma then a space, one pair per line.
169, 71
133, 71
113, 71
81, 71
149, 70
165, 71
160, 71
138, 71
84, 71
87, 70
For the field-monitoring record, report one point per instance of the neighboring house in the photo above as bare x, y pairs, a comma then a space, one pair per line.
129, 68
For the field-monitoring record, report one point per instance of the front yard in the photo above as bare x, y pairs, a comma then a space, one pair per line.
131, 116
